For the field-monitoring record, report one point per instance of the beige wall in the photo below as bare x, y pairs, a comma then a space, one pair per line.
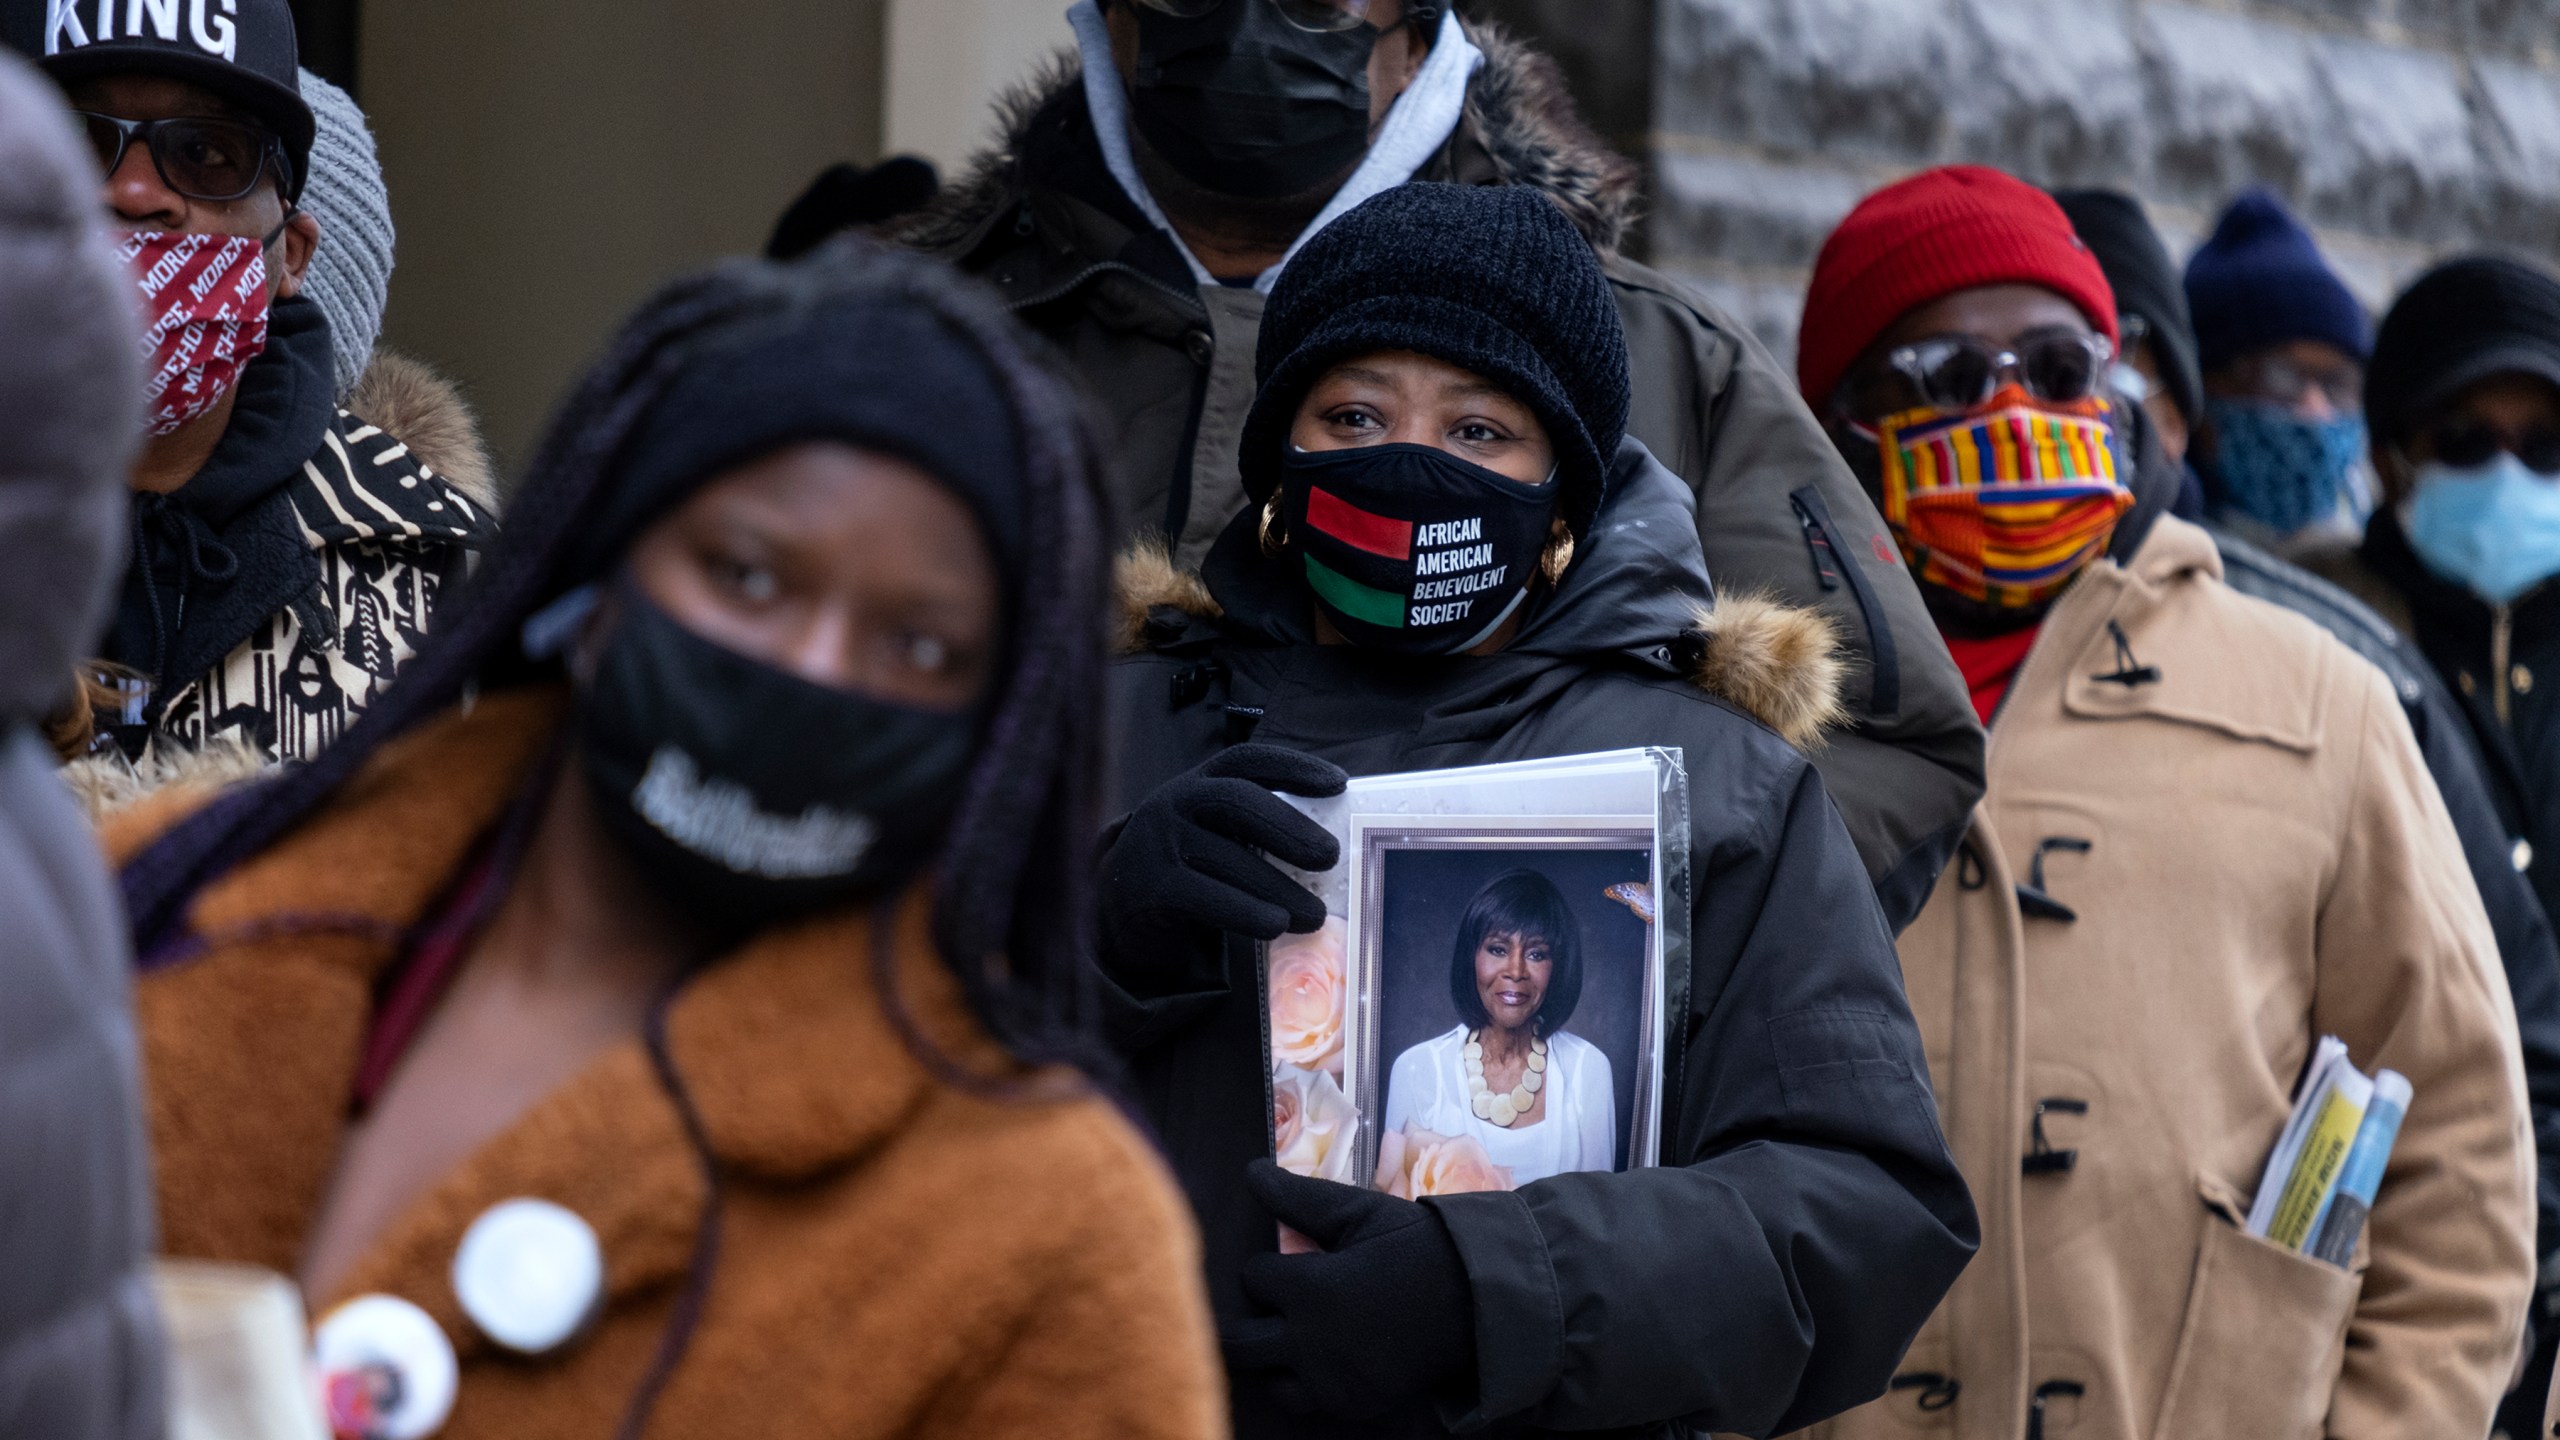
949, 59
551, 163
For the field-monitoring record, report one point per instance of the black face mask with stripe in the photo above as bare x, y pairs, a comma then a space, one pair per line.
1409, 548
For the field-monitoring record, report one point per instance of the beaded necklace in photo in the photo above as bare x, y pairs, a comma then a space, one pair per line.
1502, 1110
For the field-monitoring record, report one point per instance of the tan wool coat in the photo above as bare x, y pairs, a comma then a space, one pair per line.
897, 1256
2231, 805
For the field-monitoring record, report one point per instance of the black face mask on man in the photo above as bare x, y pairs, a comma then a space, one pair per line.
1410, 548
747, 795
1241, 102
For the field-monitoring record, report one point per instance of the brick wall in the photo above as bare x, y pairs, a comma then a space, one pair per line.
2402, 129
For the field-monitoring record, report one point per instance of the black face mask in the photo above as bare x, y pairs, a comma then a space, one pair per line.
1243, 103
1410, 548
748, 796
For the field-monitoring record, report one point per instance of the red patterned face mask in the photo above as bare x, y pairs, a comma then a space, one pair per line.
204, 304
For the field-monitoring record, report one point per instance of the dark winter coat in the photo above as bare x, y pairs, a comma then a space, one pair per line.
80, 1351
275, 593
1807, 1215
2484, 663
2495, 661
2525, 942
1171, 364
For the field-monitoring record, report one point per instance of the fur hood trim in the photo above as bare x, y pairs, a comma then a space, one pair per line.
1522, 112
413, 404
108, 783
1519, 110
1777, 663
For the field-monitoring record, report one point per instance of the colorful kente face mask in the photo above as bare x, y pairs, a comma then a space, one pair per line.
204, 309
2005, 504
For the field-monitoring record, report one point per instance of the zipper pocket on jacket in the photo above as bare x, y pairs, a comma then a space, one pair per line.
1884, 679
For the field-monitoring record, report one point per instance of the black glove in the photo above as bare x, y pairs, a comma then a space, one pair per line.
1382, 1319
1183, 869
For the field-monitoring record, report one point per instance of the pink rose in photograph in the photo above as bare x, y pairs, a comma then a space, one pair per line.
1429, 1164
1315, 1130
1307, 999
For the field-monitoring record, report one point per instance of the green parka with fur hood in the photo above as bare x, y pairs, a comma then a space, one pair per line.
1171, 367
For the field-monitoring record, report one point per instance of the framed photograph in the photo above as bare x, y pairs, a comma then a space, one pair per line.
1485, 1006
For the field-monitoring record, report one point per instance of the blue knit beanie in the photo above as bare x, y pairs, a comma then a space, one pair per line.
1490, 278
2260, 281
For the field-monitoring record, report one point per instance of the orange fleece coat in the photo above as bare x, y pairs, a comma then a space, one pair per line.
898, 1257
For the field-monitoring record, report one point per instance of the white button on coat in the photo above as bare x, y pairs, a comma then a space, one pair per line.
530, 1274
386, 1369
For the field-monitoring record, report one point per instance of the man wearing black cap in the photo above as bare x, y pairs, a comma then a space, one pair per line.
1140, 204
2157, 356
287, 555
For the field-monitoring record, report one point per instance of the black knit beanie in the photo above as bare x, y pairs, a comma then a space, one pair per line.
1493, 279
2463, 321
2147, 284
881, 374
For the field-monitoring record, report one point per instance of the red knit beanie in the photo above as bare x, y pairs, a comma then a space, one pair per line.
1938, 232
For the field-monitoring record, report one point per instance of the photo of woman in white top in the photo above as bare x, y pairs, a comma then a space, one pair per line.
1541, 1100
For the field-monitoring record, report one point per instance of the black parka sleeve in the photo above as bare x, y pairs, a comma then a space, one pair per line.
1807, 1217
2524, 934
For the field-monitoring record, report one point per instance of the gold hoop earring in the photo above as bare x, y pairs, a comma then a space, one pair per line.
1272, 543
1559, 556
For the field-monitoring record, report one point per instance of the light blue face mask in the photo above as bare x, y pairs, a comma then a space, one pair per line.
2283, 471
2494, 527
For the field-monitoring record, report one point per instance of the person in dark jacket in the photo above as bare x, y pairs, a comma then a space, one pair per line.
287, 556
2137, 266
80, 1352
1136, 212
1806, 1212
2464, 402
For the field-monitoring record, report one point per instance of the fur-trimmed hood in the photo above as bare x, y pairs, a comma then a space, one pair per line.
1520, 128
424, 411
1639, 592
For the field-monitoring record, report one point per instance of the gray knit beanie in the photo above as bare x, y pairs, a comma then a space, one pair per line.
351, 273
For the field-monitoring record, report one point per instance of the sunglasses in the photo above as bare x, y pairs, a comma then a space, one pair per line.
201, 158
2468, 444
1958, 372
1319, 16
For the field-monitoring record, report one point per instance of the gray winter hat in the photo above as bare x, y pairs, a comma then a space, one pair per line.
351, 272
71, 389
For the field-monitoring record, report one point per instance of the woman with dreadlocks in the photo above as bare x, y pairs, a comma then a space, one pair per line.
675, 978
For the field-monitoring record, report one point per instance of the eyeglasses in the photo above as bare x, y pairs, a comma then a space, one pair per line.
2279, 380
1320, 16
201, 158
1958, 372
2465, 444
